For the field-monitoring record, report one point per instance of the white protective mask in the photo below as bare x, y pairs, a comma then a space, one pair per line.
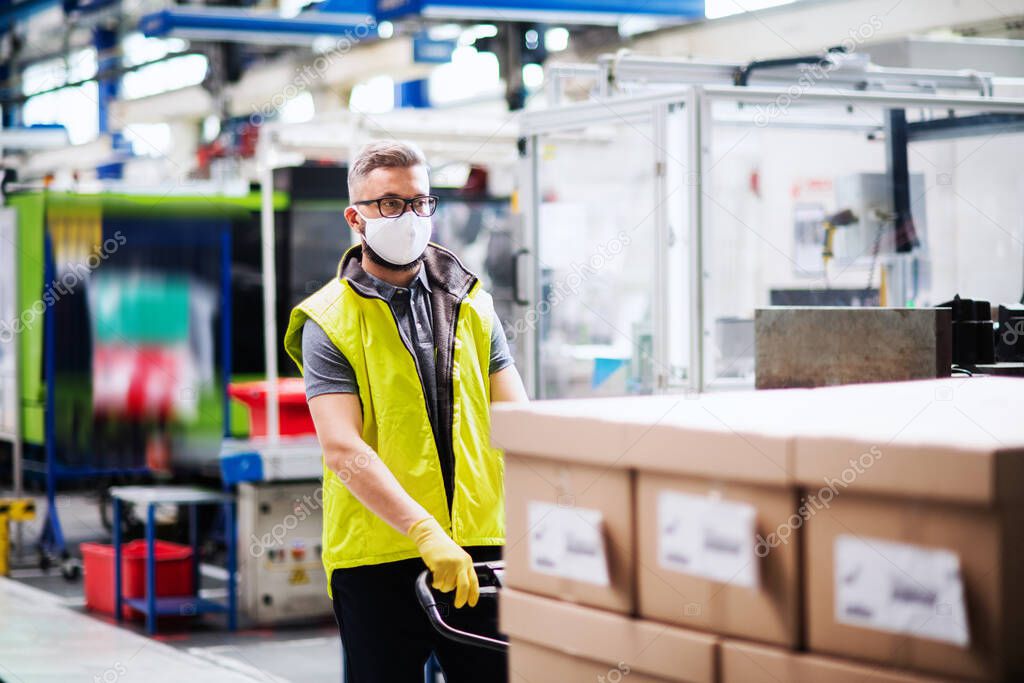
399, 241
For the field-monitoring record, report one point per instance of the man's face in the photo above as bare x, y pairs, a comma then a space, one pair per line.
404, 183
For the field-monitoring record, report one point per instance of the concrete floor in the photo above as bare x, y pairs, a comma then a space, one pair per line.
44, 615
41, 641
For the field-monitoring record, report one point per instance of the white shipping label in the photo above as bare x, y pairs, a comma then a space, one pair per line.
900, 588
708, 537
568, 542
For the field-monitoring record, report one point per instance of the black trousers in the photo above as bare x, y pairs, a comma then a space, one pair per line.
387, 637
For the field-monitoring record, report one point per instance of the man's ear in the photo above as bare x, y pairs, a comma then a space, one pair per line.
354, 220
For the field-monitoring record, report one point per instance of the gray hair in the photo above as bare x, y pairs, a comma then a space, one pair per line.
382, 154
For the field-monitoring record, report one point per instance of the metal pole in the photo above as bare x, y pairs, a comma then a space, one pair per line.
193, 541
16, 447
897, 169
225, 326
116, 531
52, 531
17, 453
232, 530
150, 567
512, 65
752, 94
105, 41
660, 296
696, 105
530, 206
268, 239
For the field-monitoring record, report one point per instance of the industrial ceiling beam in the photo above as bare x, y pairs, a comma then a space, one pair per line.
223, 24
809, 27
11, 12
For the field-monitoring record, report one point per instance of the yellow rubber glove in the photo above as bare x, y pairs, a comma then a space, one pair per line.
451, 566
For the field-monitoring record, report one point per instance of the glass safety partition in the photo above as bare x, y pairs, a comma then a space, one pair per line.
853, 199
658, 224
600, 246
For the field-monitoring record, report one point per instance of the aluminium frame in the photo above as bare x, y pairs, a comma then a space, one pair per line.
654, 107
615, 72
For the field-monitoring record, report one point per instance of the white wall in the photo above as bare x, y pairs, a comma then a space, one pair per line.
972, 209
750, 235
976, 198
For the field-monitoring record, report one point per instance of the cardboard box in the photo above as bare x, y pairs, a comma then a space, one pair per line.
566, 465
914, 556
736, 585
714, 476
749, 663
918, 482
532, 663
557, 642
577, 455
569, 531
644, 432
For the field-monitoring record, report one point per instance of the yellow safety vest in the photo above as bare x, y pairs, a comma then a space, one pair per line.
395, 420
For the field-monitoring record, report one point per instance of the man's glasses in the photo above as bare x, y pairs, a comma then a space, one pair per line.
392, 207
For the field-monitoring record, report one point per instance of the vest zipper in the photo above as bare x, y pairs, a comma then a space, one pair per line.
451, 399
450, 450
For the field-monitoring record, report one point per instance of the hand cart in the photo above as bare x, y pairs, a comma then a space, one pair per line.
490, 575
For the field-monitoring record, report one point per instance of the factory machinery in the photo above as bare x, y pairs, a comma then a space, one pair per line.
706, 167
646, 214
675, 317
129, 374
177, 286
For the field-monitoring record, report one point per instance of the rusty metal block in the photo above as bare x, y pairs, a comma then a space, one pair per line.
821, 346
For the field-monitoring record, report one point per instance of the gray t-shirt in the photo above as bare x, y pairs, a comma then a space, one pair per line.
327, 371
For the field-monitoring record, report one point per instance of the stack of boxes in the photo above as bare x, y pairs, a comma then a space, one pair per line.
844, 534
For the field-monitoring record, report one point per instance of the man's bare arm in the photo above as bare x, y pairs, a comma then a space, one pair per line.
507, 386
339, 426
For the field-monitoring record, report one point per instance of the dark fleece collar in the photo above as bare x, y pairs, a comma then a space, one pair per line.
443, 269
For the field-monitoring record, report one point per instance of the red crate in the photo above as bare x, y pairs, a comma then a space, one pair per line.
173, 573
291, 400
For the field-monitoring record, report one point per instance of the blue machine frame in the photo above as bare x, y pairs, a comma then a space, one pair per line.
249, 26
570, 11
152, 605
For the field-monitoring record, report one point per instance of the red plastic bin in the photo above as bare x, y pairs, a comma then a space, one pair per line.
291, 400
173, 573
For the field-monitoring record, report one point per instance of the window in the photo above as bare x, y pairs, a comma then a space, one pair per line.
375, 96
173, 74
470, 74
76, 108
723, 8
298, 109
138, 49
149, 139
53, 73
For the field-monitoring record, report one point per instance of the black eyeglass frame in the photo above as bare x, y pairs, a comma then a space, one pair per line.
407, 203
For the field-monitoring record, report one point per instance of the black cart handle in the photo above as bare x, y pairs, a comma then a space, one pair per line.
489, 574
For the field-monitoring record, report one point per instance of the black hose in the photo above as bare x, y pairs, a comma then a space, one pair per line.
742, 75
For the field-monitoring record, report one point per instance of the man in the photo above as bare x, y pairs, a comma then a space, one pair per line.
402, 356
